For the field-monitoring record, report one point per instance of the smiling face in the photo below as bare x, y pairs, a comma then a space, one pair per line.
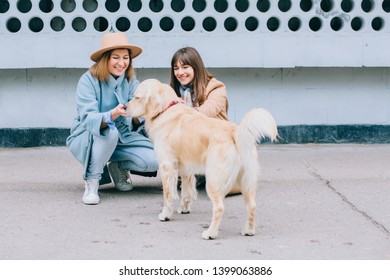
183, 73
119, 62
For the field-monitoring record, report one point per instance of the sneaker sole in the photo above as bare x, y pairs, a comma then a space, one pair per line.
90, 202
126, 189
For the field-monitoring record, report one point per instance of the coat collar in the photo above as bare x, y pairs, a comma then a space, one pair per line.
115, 82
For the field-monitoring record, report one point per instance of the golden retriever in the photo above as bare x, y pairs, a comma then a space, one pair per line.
187, 143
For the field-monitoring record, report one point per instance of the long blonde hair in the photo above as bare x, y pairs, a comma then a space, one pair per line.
100, 69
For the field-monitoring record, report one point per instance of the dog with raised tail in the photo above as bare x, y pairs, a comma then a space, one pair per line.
188, 143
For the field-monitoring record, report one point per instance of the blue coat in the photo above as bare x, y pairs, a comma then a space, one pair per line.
93, 100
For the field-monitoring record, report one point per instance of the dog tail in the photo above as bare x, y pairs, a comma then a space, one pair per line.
255, 125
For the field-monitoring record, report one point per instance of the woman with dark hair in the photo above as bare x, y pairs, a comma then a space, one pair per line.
196, 86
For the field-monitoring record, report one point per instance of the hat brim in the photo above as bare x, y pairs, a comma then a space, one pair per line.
134, 50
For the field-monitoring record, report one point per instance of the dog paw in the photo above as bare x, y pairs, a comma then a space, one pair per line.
248, 232
163, 218
183, 211
207, 236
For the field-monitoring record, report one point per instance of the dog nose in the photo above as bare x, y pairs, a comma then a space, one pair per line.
124, 106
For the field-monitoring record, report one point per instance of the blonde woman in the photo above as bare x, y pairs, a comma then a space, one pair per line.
102, 133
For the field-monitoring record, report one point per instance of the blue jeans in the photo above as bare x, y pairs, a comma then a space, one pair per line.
128, 156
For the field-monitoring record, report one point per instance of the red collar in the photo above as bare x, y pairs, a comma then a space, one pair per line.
170, 105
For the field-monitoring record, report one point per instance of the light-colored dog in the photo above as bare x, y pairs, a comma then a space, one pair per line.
187, 142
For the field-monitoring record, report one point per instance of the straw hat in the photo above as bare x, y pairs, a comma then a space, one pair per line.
111, 41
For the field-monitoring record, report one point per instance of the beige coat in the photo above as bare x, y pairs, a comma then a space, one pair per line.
216, 103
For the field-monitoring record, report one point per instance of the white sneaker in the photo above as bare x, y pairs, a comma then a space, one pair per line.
121, 178
91, 195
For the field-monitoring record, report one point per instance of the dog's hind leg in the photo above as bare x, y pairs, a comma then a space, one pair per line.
169, 176
250, 204
218, 209
188, 193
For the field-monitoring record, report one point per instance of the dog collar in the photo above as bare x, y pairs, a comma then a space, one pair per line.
173, 103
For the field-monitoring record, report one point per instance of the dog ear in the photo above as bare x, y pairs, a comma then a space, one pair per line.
167, 94
155, 102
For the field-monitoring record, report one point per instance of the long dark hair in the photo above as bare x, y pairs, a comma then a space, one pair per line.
190, 56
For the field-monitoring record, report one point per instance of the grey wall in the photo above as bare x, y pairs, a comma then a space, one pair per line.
311, 96
316, 65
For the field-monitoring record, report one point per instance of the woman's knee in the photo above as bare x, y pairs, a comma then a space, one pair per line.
113, 136
141, 160
110, 140
153, 164
150, 158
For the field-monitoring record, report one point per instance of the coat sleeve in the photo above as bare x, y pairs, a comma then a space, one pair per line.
88, 104
216, 99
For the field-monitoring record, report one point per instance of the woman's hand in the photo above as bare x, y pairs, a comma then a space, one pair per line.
118, 111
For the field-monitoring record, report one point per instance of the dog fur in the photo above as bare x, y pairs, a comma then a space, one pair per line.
187, 143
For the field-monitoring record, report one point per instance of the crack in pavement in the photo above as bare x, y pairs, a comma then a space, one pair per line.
314, 172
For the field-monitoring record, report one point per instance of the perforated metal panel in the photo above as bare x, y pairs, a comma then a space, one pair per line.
194, 16
234, 33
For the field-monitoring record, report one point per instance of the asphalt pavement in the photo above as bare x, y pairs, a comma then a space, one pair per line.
314, 202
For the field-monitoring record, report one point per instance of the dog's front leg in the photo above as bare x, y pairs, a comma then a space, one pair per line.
188, 193
169, 182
